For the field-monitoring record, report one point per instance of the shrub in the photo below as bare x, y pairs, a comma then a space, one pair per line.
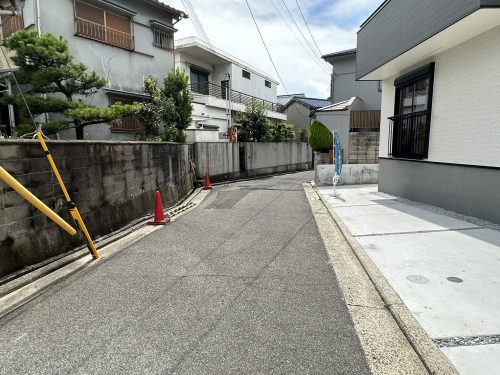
319, 137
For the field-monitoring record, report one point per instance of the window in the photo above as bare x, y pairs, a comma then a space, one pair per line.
379, 86
11, 24
267, 83
129, 123
245, 74
410, 126
98, 24
163, 39
199, 81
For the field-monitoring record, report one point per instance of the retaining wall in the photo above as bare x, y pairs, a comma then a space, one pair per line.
352, 174
113, 183
246, 159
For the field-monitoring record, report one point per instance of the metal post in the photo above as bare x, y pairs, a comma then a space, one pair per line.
26, 194
73, 209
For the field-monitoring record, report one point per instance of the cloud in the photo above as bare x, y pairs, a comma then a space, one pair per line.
333, 24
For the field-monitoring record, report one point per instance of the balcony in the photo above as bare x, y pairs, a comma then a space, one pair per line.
96, 31
409, 135
220, 92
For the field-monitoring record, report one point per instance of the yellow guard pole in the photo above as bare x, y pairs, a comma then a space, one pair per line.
26, 194
75, 214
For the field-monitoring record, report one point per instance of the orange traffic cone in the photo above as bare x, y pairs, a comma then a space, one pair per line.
207, 186
159, 215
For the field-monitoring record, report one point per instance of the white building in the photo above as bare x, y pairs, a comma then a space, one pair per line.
440, 116
209, 70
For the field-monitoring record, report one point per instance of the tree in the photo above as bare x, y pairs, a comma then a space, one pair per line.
254, 123
319, 137
46, 65
281, 132
168, 111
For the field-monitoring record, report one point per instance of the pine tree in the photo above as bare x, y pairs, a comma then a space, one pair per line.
47, 67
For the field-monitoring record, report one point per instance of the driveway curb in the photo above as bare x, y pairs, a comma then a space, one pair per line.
433, 359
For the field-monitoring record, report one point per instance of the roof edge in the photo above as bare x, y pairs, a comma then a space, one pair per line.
346, 52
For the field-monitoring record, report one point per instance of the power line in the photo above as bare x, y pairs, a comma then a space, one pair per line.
265, 46
301, 33
310, 33
313, 56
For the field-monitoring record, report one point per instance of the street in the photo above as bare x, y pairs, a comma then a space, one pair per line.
239, 285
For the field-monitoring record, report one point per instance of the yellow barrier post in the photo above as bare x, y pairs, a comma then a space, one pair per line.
73, 209
26, 194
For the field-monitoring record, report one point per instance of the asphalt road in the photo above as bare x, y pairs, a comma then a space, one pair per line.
239, 285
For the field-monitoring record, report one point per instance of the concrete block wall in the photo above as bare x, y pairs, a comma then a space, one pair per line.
222, 160
113, 183
363, 147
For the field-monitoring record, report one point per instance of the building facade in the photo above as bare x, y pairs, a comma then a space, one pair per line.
355, 112
299, 112
121, 40
438, 63
222, 84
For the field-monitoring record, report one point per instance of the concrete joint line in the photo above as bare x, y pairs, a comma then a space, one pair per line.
432, 358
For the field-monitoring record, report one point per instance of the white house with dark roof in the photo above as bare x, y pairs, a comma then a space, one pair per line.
222, 84
440, 120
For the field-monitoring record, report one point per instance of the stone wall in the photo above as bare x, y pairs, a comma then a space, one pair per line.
113, 183
363, 147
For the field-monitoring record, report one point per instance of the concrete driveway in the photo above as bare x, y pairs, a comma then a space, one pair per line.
444, 266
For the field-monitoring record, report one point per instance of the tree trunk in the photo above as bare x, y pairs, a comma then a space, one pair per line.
79, 132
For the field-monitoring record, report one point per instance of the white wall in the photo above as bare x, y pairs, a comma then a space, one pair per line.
254, 86
465, 123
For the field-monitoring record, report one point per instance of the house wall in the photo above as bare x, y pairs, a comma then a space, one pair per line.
298, 114
462, 171
411, 22
465, 116
339, 121
345, 85
124, 70
254, 86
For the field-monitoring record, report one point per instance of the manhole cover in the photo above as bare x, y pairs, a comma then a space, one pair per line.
418, 279
454, 279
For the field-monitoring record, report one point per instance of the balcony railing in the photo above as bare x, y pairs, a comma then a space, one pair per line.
95, 31
208, 88
409, 135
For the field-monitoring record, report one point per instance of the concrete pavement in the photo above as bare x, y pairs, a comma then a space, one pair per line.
444, 267
240, 285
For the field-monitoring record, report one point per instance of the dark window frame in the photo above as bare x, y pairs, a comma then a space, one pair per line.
267, 83
409, 133
127, 124
246, 74
199, 87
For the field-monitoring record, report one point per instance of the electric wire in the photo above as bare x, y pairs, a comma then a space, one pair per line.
308, 51
318, 56
307, 25
265, 46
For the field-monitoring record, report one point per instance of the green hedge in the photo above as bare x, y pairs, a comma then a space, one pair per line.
319, 137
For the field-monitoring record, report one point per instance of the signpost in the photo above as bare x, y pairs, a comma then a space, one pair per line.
338, 161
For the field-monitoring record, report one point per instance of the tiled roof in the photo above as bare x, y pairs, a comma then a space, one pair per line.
311, 103
178, 13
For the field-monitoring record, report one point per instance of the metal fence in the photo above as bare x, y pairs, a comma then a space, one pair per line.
221, 92
409, 135
95, 31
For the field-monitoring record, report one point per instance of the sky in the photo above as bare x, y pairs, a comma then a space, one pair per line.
333, 24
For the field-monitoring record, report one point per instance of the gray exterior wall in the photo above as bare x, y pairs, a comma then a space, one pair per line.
222, 160
345, 86
298, 114
125, 70
463, 189
400, 25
